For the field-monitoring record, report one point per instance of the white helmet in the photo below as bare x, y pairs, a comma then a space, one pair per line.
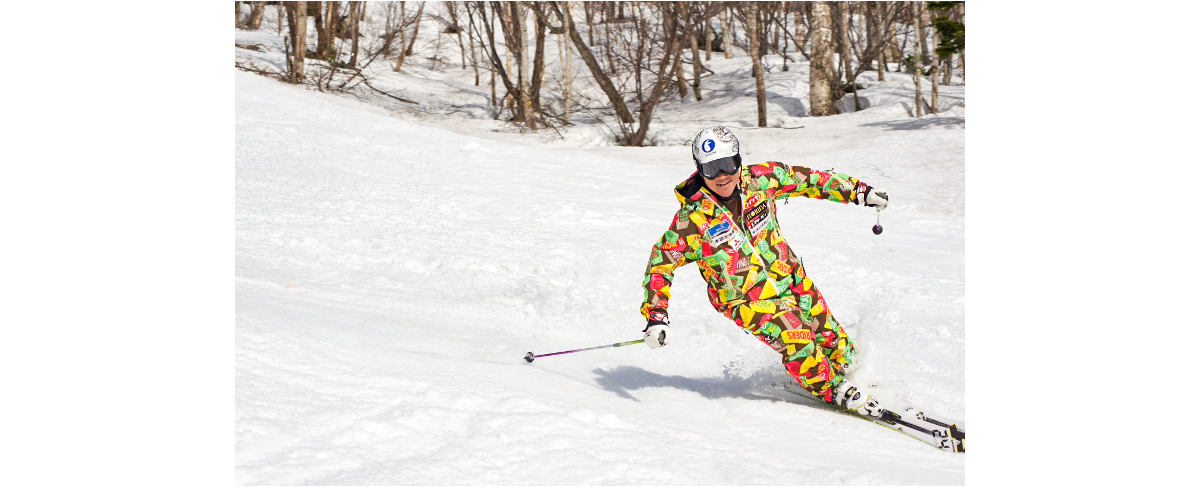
715, 150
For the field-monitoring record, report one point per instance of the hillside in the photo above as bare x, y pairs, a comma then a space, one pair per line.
394, 263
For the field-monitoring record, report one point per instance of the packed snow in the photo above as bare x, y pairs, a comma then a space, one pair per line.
394, 263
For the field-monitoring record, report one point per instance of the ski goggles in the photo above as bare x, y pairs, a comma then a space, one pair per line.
714, 168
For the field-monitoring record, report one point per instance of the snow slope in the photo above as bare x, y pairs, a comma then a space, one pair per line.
394, 263
390, 275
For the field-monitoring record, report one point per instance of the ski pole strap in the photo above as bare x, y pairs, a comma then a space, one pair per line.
622, 344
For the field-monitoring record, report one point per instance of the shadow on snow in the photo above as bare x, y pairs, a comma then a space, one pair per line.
622, 379
921, 123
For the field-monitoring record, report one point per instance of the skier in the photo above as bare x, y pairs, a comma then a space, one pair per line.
727, 225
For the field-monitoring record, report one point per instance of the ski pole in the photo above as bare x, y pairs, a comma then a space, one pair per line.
530, 356
878, 229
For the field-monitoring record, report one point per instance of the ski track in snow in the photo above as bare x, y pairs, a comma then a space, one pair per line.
390, 274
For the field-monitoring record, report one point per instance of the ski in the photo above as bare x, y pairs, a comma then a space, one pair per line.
916, 424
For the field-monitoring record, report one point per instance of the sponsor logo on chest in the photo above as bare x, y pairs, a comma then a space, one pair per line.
757, 218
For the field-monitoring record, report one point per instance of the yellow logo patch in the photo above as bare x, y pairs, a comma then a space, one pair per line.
796, 336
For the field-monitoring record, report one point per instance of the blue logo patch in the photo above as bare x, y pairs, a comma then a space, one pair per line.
708, 146
720, 233
718, 229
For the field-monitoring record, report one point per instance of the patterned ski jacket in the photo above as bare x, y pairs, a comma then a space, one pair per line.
745, 261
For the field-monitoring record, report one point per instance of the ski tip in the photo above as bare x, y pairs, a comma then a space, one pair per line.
529, 357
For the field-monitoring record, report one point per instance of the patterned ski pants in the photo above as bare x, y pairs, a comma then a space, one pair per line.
814, 347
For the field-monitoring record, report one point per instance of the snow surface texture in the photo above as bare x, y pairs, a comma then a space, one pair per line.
393, 267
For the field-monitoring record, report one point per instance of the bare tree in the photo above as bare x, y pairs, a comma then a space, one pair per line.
525, 62
697, 68
920, 24
406, 49
471, 42
279, 15
820, 82
878, 33
673, 54
753, 23
356, 13
602, 79
708, 34
298, 25
933, 89
452, 11
870, 48
256, 15
325, 14
403, 40
841, 31
416, 30
914, 65
512, 88
726, 28
539, 61
564, 55
682, 87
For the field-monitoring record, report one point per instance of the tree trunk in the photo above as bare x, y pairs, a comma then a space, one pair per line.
416, 30
726, 26
844, 18
356, 12
708, 34
299, 44
539, 62
752, 31
820, 94
801, 30
876, 36
774, 12
587, 10
602, 79
915, 67
403, 40
920, 7
324, 27
885, 30
331, 30
933, 88
697, 68
564, 55
237, 15
962, 54
256, 15
471, 42
452, 10
682, 82
783, 21
525, 63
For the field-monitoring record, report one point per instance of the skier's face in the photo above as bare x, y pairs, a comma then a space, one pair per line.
723, 184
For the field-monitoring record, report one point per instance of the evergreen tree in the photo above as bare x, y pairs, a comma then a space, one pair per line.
953, 33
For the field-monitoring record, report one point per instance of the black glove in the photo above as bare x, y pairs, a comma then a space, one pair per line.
657, 333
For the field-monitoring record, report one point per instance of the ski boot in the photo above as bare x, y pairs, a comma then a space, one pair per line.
850, 397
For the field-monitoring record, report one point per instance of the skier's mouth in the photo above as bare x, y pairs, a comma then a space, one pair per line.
724, 184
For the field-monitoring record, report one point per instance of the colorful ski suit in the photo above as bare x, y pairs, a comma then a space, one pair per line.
754, 278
